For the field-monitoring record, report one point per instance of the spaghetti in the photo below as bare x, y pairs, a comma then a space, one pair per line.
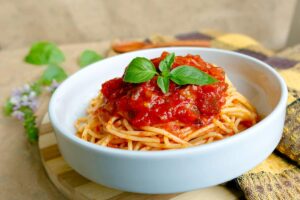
118, 130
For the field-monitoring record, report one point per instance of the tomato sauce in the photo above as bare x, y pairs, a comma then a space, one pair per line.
145, 104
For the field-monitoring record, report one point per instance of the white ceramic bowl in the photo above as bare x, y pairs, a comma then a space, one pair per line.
173, 170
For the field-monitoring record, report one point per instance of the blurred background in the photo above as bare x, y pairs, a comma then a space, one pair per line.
75, 21
83, 24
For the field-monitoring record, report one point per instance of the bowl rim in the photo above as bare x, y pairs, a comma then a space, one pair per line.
174, 152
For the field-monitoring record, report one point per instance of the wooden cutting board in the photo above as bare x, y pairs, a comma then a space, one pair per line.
75, 186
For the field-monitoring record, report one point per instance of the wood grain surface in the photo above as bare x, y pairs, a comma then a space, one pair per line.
75, 186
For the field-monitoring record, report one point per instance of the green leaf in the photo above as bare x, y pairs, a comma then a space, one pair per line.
43, 53
53, 72
88, 57
139, 70
30, 124
183, 75
163, 83
166, 64
8, 108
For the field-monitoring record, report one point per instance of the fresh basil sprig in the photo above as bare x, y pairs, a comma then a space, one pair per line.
141, 69
163, 83
165, 64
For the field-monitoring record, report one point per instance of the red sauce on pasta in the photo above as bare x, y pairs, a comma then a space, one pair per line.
144, 104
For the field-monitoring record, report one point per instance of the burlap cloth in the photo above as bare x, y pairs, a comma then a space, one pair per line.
277, 177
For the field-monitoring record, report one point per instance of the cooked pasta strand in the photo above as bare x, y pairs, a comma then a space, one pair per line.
117, 132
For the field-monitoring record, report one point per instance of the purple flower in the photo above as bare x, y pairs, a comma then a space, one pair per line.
23, 97
53, 86
16, 92
18, 114
32, 95
33, 104
22, 104
26, 88
15, 100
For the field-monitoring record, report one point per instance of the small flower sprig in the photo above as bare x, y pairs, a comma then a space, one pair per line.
23, 103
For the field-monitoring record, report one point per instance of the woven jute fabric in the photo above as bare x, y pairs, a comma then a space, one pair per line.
278, 177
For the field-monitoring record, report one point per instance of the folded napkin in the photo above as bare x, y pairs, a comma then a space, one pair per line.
278, 177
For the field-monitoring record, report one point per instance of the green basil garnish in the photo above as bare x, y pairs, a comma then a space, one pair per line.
163, 83
184, 75
165, 64
139, 70
142, 69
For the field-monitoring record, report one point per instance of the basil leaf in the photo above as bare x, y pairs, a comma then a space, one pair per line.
43, 53
53, 72
139, 70
166, 64
163, 83
183, 75
88, 57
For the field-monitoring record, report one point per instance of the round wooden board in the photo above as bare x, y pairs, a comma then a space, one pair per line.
75, 186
